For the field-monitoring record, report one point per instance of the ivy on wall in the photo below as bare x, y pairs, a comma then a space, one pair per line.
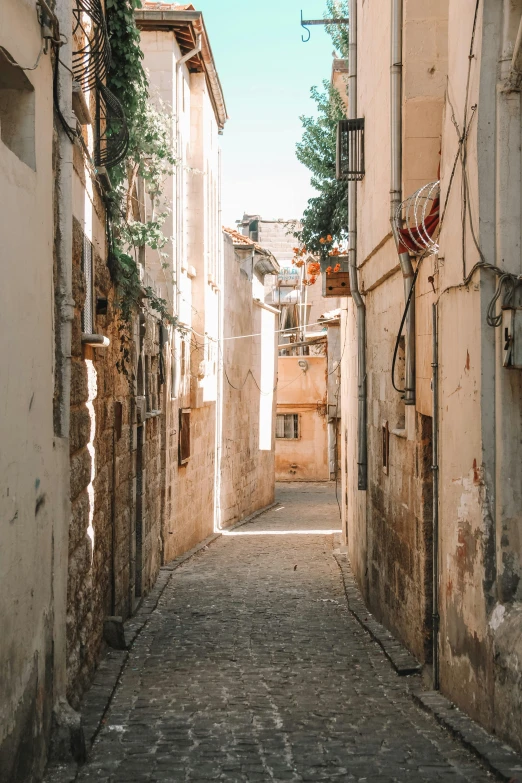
150, 156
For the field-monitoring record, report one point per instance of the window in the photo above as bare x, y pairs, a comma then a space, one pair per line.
184, 436
287, 426
350, 149
17, 110
253, 230
88, 277
385, 447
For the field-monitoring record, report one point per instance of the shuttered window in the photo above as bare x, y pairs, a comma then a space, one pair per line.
184, 436
287, 426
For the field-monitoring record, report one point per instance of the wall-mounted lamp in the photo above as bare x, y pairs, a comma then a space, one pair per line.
303, 364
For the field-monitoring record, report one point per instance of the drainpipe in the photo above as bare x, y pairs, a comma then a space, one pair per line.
179, 171
362, 441
435, 470
63, 330
396, 190
63, 235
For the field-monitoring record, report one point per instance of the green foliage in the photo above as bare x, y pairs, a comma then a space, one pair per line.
150, 155
338, 9
326, 213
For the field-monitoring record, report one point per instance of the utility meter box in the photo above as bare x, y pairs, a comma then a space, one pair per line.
512, 337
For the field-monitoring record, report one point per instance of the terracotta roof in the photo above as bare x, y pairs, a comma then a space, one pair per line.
240, 240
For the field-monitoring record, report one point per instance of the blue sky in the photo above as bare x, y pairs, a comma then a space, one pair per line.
266, 73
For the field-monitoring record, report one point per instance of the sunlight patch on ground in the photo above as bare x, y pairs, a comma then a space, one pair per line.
325, 532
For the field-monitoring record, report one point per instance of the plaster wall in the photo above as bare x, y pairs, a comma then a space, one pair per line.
480, 425
388, 527
192, 358
250, 366
33, 507
304, 393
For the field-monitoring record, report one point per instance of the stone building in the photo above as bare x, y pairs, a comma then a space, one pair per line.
248, 361
34, 418
183, 75
112, 422
307, 411
437, 551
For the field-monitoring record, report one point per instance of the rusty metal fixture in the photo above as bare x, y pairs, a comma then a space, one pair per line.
112, 133
91, 61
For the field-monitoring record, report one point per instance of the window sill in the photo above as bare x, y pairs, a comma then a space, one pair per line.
400, 433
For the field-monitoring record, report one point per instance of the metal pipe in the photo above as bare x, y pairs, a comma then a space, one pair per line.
362, 436
64, 239
396, 190
435, 470
64, 314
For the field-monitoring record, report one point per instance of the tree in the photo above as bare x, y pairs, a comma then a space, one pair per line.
326, 213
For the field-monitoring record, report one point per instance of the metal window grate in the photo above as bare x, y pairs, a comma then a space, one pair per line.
92, 58
417, 220
350, 149
88, 276
287, 426
112, 133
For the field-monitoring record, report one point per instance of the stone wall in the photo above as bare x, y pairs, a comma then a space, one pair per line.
104, 575
389, 525
247, 465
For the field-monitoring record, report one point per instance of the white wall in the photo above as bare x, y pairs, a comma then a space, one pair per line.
31, 500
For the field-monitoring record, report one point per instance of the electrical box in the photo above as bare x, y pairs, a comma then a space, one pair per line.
512, 337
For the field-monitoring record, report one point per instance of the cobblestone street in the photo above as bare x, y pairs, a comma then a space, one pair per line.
252, 668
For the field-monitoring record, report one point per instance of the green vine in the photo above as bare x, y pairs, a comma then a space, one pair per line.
150, 156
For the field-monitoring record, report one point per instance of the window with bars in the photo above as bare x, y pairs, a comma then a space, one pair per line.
350, 149
88, 276
287, 426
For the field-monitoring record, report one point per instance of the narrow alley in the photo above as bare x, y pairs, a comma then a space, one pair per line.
252, 668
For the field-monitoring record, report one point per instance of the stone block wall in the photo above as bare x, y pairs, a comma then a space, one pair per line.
189, 506
102, 540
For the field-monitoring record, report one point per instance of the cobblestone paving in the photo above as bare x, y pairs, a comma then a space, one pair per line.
253, 669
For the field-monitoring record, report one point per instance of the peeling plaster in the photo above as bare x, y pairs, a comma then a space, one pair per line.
497, 616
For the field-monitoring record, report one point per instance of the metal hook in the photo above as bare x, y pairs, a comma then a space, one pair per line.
303, 39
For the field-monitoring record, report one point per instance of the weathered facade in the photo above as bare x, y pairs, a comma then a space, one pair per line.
120, 434
117, 425
302, 421
178, 58
34, 503
249, 378
449, 547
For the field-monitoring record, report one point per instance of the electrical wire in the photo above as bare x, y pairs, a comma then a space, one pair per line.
403, 319
506, 279
259, 334
25, 67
